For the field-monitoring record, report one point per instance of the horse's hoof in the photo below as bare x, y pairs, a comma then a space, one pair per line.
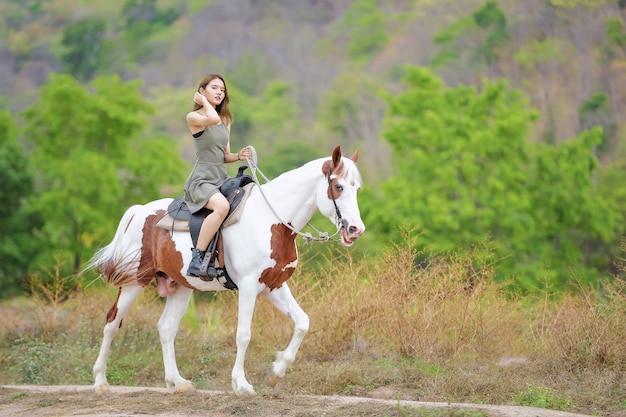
272, 379
250, 393
186, 387
102, 389
244, 390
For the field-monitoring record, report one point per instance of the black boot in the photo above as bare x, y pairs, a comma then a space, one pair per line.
195, 266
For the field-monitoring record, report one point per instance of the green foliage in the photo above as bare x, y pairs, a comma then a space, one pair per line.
36, 361
596, 112
88, 153
139, 11
615, 31
490, 17
83, 44
20, 12
289, 156
609, 185
572, 217
448, 40
275, 112
540, 52
367, 29
543, 397
142, 19
261, 121
477, 39
251, 74
464, 171
350, 105
615, 45
18, 238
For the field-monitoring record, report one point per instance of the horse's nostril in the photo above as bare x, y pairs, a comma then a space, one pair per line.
353, 229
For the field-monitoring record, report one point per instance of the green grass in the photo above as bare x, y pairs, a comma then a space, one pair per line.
543, 397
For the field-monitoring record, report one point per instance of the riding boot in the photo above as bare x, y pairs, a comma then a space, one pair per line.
195, 266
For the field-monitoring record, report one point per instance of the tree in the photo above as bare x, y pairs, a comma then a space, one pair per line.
366, 27
140, 20
476, 39
84, 48
91, 161
265, 121
18, 228
465, 172
290, 156
596, 112
490, 17
352, 110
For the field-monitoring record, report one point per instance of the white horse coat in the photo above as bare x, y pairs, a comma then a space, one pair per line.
260, 254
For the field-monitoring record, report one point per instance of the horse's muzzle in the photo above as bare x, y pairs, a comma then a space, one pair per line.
350, 234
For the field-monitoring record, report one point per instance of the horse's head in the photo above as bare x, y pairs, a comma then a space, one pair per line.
338, 198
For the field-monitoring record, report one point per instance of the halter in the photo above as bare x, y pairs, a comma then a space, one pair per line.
340, 220
308, 238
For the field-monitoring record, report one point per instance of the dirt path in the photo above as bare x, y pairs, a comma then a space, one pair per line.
76, 400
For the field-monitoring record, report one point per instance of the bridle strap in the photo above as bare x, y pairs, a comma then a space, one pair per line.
308, 238
340, 223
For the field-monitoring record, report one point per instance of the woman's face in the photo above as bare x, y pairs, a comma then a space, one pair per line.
215, 91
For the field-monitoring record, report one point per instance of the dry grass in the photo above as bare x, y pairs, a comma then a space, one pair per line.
437, 331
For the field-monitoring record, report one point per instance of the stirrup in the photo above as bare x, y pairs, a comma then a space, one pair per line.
207, 270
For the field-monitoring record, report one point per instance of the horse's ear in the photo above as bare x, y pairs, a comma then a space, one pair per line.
336, 156
355, 156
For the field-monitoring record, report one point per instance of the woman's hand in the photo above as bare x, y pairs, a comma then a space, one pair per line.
244, 153
200, 99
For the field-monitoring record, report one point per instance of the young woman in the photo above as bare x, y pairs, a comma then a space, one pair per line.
209, 123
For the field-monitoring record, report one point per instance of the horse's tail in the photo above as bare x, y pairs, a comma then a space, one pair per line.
113, 262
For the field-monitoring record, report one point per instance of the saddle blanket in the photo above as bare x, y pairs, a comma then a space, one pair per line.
168, 222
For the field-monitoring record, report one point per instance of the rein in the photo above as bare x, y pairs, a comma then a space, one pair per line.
308, 238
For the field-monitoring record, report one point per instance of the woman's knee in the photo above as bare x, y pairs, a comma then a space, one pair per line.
219, 204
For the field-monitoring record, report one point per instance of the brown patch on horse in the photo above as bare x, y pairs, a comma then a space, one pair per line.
284, 253
159, 254
112, 313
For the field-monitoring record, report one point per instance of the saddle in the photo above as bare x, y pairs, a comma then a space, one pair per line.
178, 218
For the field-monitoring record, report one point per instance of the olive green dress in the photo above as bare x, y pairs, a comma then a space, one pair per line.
209, 171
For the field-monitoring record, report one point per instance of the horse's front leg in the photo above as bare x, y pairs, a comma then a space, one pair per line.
125, 299
175, 307
247, 298
285, 302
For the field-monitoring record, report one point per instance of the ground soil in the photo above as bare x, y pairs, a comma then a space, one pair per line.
38, 401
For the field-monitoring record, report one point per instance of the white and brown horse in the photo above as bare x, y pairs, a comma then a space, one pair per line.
260, 254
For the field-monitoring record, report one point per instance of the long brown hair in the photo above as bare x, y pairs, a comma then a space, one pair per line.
222, 109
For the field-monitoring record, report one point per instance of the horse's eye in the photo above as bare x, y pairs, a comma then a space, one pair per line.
339, 187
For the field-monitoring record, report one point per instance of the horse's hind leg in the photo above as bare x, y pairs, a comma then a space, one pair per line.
285, 302
175, 308
125, 299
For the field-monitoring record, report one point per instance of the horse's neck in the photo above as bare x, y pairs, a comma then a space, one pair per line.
293, 194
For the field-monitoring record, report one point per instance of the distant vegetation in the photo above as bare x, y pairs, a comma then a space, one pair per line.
490, 126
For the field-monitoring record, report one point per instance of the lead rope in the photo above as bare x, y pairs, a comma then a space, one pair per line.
308, 237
